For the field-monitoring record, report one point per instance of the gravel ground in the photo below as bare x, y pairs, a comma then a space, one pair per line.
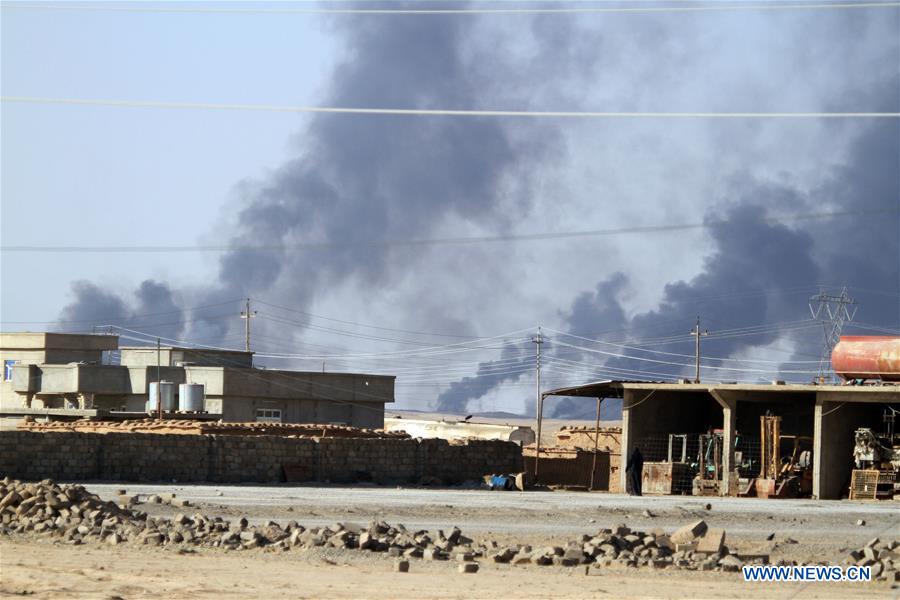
824, 529
803, 530
47, 571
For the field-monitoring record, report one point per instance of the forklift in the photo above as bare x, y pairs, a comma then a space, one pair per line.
785, 462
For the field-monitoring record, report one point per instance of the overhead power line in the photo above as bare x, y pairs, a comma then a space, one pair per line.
677, 354
128, 318
448, 241
393, 329
425, 112
721, 7
679, 364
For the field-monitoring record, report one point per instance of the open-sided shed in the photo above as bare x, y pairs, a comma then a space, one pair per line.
826, 414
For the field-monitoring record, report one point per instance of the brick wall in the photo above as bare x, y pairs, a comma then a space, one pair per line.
571, 467
232, 458
609, 438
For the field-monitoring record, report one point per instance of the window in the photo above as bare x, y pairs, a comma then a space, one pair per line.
8, 369
268, 415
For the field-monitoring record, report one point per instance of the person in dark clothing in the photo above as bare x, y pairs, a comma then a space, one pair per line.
635, 468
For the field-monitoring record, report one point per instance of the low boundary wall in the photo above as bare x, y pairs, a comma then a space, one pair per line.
232, 459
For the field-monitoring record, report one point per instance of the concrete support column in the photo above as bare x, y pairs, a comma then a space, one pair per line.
818, 449
729, 421
835, 421
628, 436
85, 400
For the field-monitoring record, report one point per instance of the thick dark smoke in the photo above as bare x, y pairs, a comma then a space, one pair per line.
490, 374
755, 258
153, 309
361, 178
382, 177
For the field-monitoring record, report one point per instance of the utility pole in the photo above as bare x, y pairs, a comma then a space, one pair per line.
247, 315
697, 334
833, 312
159, 411
538, 340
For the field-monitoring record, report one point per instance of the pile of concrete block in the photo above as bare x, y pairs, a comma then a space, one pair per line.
170, 499
68, 511
882, 556
73, 515
694, 547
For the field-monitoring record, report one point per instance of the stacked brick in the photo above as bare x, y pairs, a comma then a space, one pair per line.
196, 427
233, 458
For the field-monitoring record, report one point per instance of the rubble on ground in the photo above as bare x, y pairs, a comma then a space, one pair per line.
882, 556
73, 515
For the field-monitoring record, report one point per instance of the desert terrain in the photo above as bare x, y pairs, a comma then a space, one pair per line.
801, 530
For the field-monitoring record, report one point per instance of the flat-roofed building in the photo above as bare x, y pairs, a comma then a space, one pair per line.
666, 419
233, 389
39, 348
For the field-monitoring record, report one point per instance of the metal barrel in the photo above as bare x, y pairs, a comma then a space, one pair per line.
166, 394
190, 397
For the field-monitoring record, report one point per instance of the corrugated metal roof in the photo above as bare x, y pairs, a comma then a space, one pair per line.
613, 388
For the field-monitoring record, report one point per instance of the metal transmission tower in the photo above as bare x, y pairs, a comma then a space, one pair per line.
832, 311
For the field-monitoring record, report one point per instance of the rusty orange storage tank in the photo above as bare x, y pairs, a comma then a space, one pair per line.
867, 357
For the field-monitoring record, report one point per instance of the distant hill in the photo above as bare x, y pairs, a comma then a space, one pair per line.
585, 409
499, 414
576, 409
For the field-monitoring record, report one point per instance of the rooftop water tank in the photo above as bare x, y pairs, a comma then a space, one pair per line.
166, 393
190, 397
867, 357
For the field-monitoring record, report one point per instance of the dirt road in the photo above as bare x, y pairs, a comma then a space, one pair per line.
802, 530
540, 516
47, 571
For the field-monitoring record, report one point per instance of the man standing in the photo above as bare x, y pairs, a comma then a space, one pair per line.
635, 469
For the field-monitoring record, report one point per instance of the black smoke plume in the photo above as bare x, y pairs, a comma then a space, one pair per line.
154, 309
490, 374
376, 178
755, 258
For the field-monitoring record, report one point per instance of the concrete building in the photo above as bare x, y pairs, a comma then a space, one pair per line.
47, 349
58, 376
827, 415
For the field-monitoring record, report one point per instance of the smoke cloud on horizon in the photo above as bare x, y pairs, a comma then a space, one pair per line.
376, 178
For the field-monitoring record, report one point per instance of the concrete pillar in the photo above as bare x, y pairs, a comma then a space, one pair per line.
628, 436
835, 421
729, 421
85, 400
729, 414
818, 449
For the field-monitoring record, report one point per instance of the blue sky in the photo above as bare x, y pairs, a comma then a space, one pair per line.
116, 176
74, 175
